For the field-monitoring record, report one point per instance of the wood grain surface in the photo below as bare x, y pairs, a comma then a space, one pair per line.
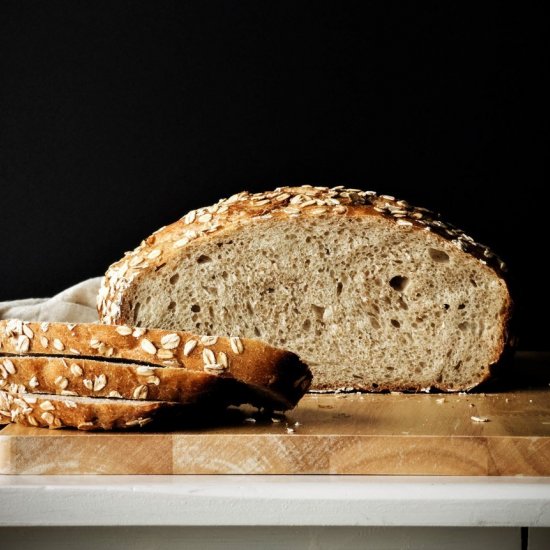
401, 434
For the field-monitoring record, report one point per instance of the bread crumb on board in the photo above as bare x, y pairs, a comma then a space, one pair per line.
479, 419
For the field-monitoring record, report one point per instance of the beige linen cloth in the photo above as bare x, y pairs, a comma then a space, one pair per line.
76, 304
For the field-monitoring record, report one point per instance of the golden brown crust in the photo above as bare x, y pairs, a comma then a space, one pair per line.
91, 378
52, 411
278, 374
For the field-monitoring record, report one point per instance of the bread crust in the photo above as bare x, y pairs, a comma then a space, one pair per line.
278, 377
285, 203
52, 411
91, 378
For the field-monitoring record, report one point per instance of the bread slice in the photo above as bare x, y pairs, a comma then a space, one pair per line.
92, 378
371, 292
275, 378
84, 413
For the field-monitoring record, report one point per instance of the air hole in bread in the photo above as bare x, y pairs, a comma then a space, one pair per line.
473, 282
203, 259
136, 311
257, 332
174, 278
395, 323
374, 322
195, 308
399, 283
464, 326
319, 311
402, 303
339, 287
438, 256
461, 306
172, 305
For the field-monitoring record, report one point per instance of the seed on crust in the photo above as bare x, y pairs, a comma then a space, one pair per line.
69, 404
100, 382
61, 382
47, 405
208, 356
44, 341
236, 344
32, 420
33, 382
154, 254
75, 351
94, 343
223, 360
165, 354
48, 417
140, 392
9, 366
44, 326
213, 368
138, 332
75, 369
27, 331
88, 384
153, 380
114, 393
58, 344
170, 341
204, 218
23, 344
123, 330
145, 370
69, 393
208, 340
148, 347
181, 242
189, 346
190, 217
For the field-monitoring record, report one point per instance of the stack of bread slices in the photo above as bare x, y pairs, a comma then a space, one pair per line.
92, 376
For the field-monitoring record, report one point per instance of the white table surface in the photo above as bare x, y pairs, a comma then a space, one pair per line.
274, 501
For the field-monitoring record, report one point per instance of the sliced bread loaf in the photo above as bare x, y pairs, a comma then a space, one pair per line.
84, 413
92, 378
371, 292
275, 378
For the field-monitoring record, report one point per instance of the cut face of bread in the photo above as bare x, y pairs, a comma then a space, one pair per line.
369, 292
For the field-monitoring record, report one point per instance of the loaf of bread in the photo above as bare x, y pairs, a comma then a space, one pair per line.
173, 366
372, 293
84, 413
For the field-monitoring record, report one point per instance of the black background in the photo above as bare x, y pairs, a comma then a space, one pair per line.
118, 117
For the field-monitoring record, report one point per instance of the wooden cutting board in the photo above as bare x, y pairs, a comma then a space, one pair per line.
401, 434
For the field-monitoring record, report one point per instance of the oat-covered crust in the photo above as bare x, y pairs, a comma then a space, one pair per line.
53, 411
282, 203
277, 374
75, 376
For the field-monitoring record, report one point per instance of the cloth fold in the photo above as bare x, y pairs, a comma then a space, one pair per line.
76, 304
